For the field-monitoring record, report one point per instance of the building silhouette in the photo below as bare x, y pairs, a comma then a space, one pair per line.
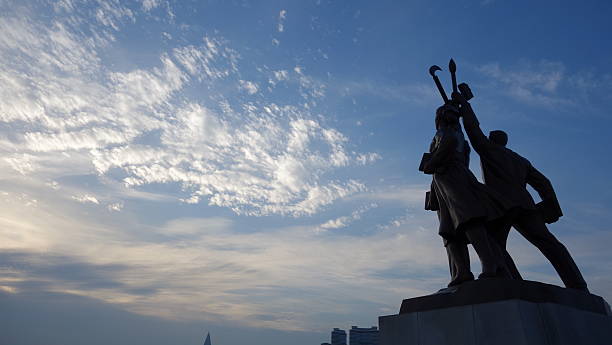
363, 336
338, 337
207, 341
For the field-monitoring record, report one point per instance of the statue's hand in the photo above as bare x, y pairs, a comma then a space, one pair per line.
458, 97
428, 169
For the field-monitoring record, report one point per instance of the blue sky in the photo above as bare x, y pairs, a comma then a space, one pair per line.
249, 168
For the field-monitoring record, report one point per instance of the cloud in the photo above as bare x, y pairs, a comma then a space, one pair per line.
396, 222
205, 269
249, 87
65, 108
281, 75
344, 221
117, 206
368, 158
111, 13
533, 83
80, 319
53, 185
272, 166
549, 84
148, 5
278, 76
213, 60
210, 268
8, 289
420, 94
282, 15
86, 198
404, 195
21, 163
310, 88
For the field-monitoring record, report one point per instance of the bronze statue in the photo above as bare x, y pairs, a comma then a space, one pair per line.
508, 173
464, 205
470, 212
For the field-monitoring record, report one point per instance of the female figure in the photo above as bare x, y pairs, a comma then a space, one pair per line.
463, 203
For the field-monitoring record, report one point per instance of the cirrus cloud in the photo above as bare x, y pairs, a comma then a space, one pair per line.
62, 106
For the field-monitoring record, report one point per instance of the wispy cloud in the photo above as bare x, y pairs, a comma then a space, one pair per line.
196, 268
117, 206
421, 94
533, 83
206, 268
254, 157
282, 15
344, 221
249, 86
86, 198
404, 195
549, 84
148, 5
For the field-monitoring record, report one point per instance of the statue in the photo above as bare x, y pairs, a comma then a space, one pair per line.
508, 173
470, 212
464, 205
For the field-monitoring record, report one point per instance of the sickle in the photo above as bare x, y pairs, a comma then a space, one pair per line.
432, 72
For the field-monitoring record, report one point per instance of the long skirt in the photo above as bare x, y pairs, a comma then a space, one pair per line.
462, 198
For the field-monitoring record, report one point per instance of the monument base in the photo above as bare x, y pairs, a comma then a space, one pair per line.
499, 312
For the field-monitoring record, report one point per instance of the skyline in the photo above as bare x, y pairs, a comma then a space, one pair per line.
250, 168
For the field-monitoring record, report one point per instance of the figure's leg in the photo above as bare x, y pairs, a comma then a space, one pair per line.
531, 225
451, 264
452, 267
477, 235
510, 265
459, 261
499, 232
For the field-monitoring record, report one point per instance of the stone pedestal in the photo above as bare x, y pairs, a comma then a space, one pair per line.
500, 312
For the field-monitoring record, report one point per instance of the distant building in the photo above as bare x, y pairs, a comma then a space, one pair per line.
338, 337
363, 336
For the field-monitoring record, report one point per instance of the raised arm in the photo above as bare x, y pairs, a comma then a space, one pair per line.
479, 141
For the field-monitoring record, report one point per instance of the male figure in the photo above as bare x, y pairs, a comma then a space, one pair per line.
508, 173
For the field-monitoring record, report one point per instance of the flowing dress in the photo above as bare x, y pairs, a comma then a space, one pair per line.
459, 195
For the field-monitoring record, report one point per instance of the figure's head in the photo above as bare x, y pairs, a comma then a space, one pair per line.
498, 137
447, 116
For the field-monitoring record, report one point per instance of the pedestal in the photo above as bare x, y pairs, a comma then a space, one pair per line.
500, 312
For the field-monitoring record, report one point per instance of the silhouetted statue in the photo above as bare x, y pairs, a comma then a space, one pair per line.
507, 173
464, 205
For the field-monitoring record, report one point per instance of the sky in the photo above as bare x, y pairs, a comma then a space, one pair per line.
249, 168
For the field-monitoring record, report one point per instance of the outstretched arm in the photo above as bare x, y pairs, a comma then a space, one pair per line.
472, 127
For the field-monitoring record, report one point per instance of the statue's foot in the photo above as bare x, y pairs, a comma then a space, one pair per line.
503, 272
492, 271
487, 275
581, 288
462, 278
